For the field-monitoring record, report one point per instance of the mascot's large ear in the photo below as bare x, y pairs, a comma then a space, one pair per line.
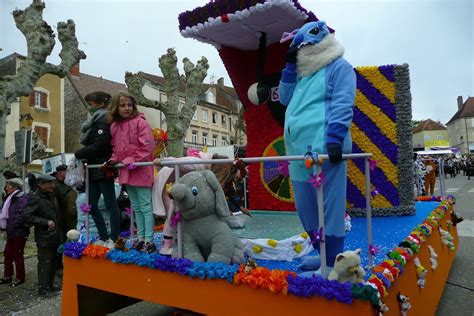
339, 257
221, 204
288, 36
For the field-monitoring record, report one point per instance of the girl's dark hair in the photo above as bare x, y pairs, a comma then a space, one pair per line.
99, 97
114, 105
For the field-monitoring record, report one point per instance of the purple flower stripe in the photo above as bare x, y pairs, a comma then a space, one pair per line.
271, 164
270, 174
372, 131
168, 264
74, 249
387, 72
375, 96
354, 196
378, 179
320, 286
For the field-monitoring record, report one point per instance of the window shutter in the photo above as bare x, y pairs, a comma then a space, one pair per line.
32, 98
44, 99
42, 133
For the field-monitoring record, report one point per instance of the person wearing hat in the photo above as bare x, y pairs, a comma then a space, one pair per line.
7, 174
11, 220
66, 198
42, 211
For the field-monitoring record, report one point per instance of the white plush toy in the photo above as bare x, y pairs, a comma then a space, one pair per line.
347, 267
446, 239
420, 272
433, 258
73, 235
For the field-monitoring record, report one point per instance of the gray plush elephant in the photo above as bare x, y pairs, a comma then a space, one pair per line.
206, 236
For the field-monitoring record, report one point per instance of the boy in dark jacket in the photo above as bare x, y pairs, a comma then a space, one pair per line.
17, 233
42, 211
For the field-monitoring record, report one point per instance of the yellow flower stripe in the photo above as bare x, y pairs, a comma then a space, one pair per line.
383, 122
358, 179
379, 81
365, 144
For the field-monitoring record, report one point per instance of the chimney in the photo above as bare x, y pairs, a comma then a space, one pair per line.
460, 102
220, 81
74, 71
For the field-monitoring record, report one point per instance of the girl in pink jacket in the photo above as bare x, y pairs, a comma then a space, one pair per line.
132, 141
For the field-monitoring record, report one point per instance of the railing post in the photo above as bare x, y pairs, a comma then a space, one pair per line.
322, 244
369, 211
132, 220
86, 214
442, 175
179, 228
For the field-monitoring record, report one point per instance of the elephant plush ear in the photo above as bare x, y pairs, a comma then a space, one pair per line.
221, 204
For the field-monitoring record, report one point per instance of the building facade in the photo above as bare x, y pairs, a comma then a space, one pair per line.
461, 126
42, 110
428, 134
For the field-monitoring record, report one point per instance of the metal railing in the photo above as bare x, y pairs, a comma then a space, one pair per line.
317, 169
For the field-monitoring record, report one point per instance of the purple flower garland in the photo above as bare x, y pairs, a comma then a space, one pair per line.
74, 249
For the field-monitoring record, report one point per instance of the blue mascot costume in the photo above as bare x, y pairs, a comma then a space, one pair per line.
318, 87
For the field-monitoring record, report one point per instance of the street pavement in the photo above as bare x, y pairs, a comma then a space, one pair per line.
457, 299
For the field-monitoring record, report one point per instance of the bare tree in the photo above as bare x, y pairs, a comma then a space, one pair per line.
40, 40
239, 127
177, 119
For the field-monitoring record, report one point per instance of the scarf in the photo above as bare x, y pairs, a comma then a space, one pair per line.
312, 58
87, 125
6, 206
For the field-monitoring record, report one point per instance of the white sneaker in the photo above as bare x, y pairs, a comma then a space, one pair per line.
166, 251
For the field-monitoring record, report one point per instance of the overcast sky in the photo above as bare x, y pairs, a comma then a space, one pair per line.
436, 38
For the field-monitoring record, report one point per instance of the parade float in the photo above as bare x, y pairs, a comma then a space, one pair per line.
409, 278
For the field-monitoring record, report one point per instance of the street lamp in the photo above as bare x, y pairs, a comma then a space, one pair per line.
28, 118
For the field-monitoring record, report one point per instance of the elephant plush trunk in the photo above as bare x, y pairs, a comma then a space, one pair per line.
178, 192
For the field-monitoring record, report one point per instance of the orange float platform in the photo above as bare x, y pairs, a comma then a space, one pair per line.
94, 286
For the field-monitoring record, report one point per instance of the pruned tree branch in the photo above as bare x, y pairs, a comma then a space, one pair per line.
135, 83
40, 41
177, 119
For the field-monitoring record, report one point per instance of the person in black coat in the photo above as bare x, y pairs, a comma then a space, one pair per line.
95, 136
43, 212
17, 233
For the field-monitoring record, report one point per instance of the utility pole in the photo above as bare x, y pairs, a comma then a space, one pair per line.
467, 136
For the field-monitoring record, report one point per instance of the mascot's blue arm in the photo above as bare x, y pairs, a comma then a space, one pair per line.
341, 109
287, 84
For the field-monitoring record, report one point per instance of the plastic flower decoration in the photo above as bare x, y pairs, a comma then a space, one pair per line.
373, 164
374, 192
373, 250
161, 139
316, 180
131, 166
175, 218
317, 236
283, 165
85, 208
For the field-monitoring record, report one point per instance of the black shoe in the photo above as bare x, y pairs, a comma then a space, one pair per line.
5, 280
139, 245
17, 282
149, 247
